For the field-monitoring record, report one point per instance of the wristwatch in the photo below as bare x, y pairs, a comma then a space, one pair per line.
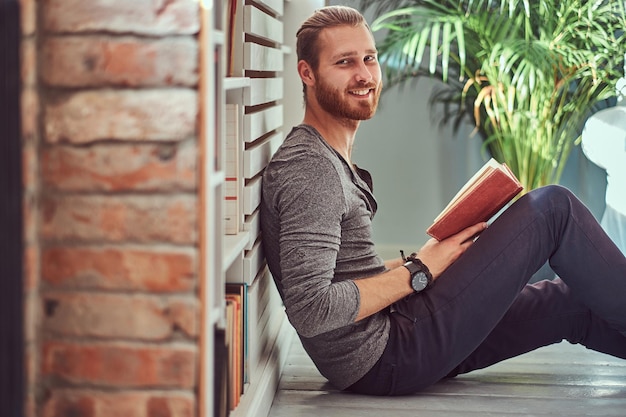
421, 277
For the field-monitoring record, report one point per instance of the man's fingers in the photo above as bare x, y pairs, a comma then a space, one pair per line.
471, 232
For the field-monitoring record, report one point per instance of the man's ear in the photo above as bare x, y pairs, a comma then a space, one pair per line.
306, 73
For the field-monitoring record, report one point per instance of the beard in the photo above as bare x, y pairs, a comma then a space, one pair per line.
332, 100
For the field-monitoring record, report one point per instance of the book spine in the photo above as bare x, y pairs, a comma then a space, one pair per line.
231, 188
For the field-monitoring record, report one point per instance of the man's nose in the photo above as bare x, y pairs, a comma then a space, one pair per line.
364, 73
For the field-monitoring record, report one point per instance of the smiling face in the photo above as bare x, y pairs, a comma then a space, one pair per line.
348, 78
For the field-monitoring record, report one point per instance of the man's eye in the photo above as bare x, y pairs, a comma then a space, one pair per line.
370, 58
343, 62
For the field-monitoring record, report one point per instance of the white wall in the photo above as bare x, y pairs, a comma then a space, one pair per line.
296, 11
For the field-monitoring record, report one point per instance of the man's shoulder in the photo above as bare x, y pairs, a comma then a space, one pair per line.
302, 158
304, 146
304, 137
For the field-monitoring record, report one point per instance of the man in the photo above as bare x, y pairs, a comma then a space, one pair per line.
395, 327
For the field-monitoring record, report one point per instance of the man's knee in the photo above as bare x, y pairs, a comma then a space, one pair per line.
550, 197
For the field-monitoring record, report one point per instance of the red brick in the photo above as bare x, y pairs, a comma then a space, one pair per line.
30, 365
153, 17
121, 167
70, 402
121, 365
31, 266
28, 62
79, 406
87, 218
28, 15
29, 166
29, 212
122, 316
32, 316
30, 405
121, 268
184, 314
30, 114
163, 114
73, 61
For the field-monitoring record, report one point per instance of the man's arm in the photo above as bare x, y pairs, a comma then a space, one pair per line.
394, 263
382, 290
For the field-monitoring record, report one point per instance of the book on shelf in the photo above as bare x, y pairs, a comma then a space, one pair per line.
234, 38
220, 375
232, 13
231, 170
236, 335
217, 166
483, 196
231, 343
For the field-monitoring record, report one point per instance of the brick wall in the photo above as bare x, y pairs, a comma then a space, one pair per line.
30, 143
110, 149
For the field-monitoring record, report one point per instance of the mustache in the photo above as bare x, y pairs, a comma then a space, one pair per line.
369, 85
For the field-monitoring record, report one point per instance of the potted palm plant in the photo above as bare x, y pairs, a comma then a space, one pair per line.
529, 73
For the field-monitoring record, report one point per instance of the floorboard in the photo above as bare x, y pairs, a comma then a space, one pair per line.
559, 380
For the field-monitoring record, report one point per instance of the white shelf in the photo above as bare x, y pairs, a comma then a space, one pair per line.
239, 258
232, 83
216, 317
218, 37
217, 178
234, 245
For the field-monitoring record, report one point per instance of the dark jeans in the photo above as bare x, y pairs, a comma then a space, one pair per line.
482, 311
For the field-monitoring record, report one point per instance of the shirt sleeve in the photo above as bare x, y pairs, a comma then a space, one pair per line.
311, 205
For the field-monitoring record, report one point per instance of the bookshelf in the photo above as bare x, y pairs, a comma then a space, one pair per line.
242, 62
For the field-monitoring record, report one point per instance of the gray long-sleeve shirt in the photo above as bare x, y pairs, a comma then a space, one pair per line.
316, 215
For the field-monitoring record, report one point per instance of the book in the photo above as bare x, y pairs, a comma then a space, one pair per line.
232, 13
483, 196
231, 331
221, 383
236, 338
234, 32
232, 183
239, 293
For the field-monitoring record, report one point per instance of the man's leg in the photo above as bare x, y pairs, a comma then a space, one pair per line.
439, 329
544, 313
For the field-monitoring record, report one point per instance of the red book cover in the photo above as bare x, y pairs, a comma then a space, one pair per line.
493, 186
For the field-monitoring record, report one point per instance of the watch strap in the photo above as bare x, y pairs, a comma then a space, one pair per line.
415, 264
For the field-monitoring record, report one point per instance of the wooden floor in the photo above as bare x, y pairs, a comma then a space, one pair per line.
560, 380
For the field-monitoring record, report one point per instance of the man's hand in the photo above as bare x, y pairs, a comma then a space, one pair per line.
439, 255
381, 290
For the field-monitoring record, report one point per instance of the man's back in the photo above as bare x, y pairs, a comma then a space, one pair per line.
316, 222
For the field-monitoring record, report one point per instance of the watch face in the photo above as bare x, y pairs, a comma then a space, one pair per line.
419, 281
